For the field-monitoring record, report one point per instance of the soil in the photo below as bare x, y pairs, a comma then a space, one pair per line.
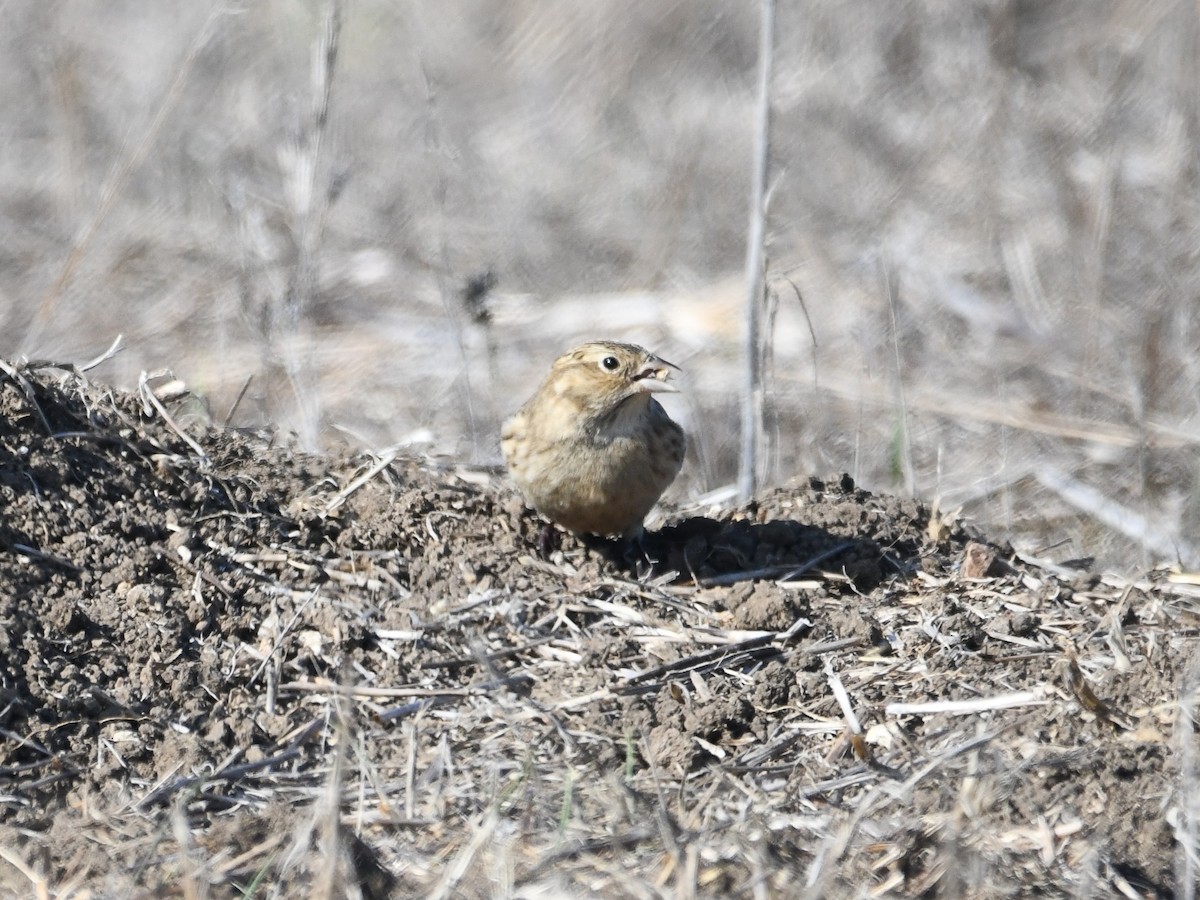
229, 668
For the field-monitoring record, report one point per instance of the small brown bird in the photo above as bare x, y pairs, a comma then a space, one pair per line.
592, 450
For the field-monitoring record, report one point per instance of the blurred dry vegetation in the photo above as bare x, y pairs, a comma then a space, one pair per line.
388, 230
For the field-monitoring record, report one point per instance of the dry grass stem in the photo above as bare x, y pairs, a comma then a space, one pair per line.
753, 349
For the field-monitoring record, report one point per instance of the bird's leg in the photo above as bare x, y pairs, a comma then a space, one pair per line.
637, 554
548, 540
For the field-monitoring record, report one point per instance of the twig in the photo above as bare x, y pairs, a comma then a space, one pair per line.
812, 333
752, 407
584, 847
148, 397
410, 709
340, 497
324, 685
410, 772
328, 821
460, 661
458, 866
941, 759
113, 349
1187, 824
189, 860
782, 572
841, 841
26, 550
835, 784
701, 661
280, 636
731, 654
843, 698
310, 207
232, 773
237, 401
903, 448
968, 707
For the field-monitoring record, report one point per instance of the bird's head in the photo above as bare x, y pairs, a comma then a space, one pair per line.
603, 375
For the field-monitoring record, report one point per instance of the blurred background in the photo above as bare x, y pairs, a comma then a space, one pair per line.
376, 223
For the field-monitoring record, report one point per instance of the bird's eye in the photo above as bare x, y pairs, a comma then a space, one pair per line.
610, 363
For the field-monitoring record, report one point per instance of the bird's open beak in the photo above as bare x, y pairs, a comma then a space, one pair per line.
653, 378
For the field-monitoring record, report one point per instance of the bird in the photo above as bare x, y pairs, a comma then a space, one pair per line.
592, 450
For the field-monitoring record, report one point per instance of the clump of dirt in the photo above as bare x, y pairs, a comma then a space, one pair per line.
226, 663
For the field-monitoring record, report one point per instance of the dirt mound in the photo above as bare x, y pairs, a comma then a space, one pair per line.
229, 667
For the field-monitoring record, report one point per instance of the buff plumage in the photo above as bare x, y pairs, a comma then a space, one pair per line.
592, 450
